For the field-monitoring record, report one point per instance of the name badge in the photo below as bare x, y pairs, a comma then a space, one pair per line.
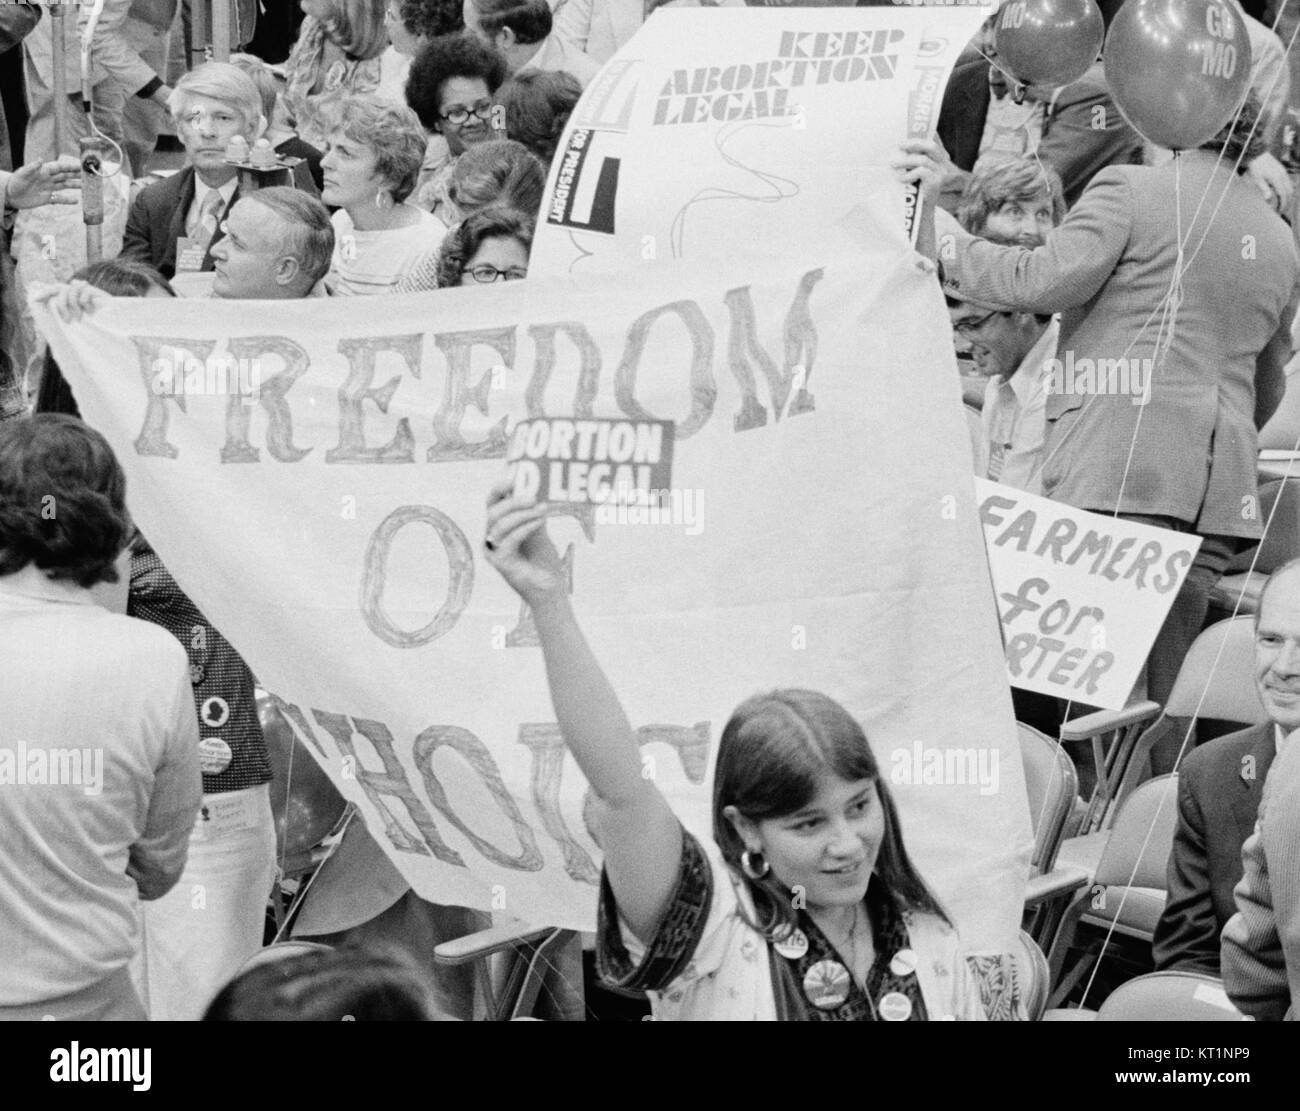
225, 814
190, 254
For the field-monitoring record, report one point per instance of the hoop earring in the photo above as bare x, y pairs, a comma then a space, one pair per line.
383, 200
747, 865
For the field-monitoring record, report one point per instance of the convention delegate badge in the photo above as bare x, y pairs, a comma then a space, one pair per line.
214, 755
827, 985
904, 963
568, 460
894, 1006
189, 254
792, 945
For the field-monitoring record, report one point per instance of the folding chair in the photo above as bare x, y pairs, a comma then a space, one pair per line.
1216, 681
1128, 891
510, 964
1240, 587
1172, 996
1052, 787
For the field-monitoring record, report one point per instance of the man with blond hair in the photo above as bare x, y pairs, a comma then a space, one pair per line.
173, 224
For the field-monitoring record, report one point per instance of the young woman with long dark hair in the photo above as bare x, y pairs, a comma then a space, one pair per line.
805, 907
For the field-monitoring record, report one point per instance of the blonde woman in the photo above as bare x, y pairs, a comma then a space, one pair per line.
372, 160
339, 53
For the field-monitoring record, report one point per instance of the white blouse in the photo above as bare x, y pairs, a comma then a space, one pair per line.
368, 262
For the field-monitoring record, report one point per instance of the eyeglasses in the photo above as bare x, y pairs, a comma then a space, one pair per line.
966, 327
488, 274
459, 114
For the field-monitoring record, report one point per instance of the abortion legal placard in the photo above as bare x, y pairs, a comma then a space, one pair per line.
716, 128
566, 459
324, 504
1081, 596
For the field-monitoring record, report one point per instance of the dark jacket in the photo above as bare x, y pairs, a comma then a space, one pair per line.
1219, 787
157, 219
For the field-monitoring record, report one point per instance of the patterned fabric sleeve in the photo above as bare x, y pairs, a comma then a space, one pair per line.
674, 943
422, 276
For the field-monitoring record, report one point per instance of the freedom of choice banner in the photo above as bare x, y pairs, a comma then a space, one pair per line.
724, 129
1081, 596
324, 506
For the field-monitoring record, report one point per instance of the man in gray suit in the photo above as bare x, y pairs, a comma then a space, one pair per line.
1261, 942
1154, 416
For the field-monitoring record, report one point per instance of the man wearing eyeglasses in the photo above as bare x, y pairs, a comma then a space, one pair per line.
1011, 350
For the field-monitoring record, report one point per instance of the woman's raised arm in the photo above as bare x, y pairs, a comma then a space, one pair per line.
639, 834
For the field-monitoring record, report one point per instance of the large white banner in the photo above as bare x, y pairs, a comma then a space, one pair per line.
822, 533
715, 130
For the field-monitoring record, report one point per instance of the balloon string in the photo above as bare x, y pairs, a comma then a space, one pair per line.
1169, 310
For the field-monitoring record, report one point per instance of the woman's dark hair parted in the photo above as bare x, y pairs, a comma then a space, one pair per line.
772, 752
466, 238
62, 500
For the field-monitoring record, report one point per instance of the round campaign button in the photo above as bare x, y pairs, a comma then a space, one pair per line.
214, 755
196, 674
895, 1007
792, 945
904, 963
826, 985
215, 712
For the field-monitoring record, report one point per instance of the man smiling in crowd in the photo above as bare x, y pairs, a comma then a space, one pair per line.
1261, 942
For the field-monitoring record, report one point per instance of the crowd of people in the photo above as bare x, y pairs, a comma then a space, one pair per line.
416, 137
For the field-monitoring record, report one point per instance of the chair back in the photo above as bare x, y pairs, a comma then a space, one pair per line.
1282, 432
1052, 786
1137, 851
1279, 511
1220, 665
1173, 996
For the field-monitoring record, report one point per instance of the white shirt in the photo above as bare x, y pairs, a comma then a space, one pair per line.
103, 703
1015, 418
1011, 130
201, 192
557, 54
367, 262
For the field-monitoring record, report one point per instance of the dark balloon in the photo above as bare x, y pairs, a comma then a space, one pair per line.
1178, 69
1048, 42
305, 803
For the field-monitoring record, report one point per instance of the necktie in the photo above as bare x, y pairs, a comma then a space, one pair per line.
209, 215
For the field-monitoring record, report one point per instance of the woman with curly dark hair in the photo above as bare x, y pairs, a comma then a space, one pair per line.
450, 88
490, 246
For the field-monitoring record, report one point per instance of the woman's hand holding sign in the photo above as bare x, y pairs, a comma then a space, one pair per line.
519, 547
